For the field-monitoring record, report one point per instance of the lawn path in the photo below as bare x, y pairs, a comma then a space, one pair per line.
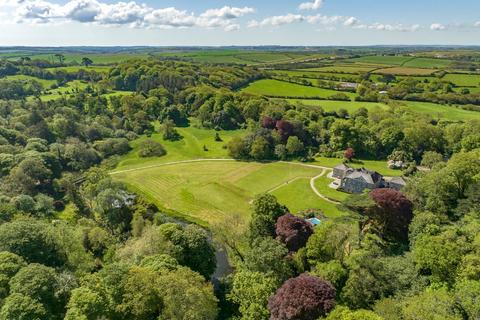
312, 185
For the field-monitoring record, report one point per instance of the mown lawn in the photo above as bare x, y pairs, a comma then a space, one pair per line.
270, 87
322, 185
191, 146
208, 191
298, 196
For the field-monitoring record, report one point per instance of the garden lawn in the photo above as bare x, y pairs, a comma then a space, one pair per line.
189, 147
377, 165
206, 192
271, 87
322, 185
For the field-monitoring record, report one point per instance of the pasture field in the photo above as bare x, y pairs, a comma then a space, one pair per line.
442, 111
329, 106
97, 58
436, 111
463, 80
271, 87
242, 57
72, 69
384, 60
316, 74
406, 71
428, 63
206, 192
68, 88
350, 68
471, 89
45, 83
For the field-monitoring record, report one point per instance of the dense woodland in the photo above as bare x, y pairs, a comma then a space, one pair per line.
404, 255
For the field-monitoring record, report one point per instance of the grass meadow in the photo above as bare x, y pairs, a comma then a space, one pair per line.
270, 87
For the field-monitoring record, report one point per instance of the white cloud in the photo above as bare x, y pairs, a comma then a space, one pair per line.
123, 13
477, 24
393, 27
437, 27
315, 5
277, 20
350, 22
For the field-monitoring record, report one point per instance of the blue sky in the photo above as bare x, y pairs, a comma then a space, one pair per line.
236, 22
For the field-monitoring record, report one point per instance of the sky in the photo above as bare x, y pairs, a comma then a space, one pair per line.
241, 23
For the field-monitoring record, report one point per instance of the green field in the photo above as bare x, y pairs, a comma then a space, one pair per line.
386, 60
271, 87
241, 56
69, 88
379, 166
204, 190
208, 191
428, 63
97, 58
443, 111
463, 80
45, 83
329, 106
190, 147
351, 68
73, 69
436, 111
322, 185
406, 71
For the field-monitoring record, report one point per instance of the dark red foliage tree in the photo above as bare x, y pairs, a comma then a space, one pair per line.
302, 298
349, 154
391, 214
268, 123
285, 129
293, 231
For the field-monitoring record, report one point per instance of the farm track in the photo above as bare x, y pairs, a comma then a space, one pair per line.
312, 180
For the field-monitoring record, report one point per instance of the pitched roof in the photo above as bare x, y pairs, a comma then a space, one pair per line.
371, 177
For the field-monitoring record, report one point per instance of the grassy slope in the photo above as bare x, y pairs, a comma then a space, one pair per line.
210, 190
271, 87
350, 106
463, 80
205, 191
443, 111
45, 83
435, 110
